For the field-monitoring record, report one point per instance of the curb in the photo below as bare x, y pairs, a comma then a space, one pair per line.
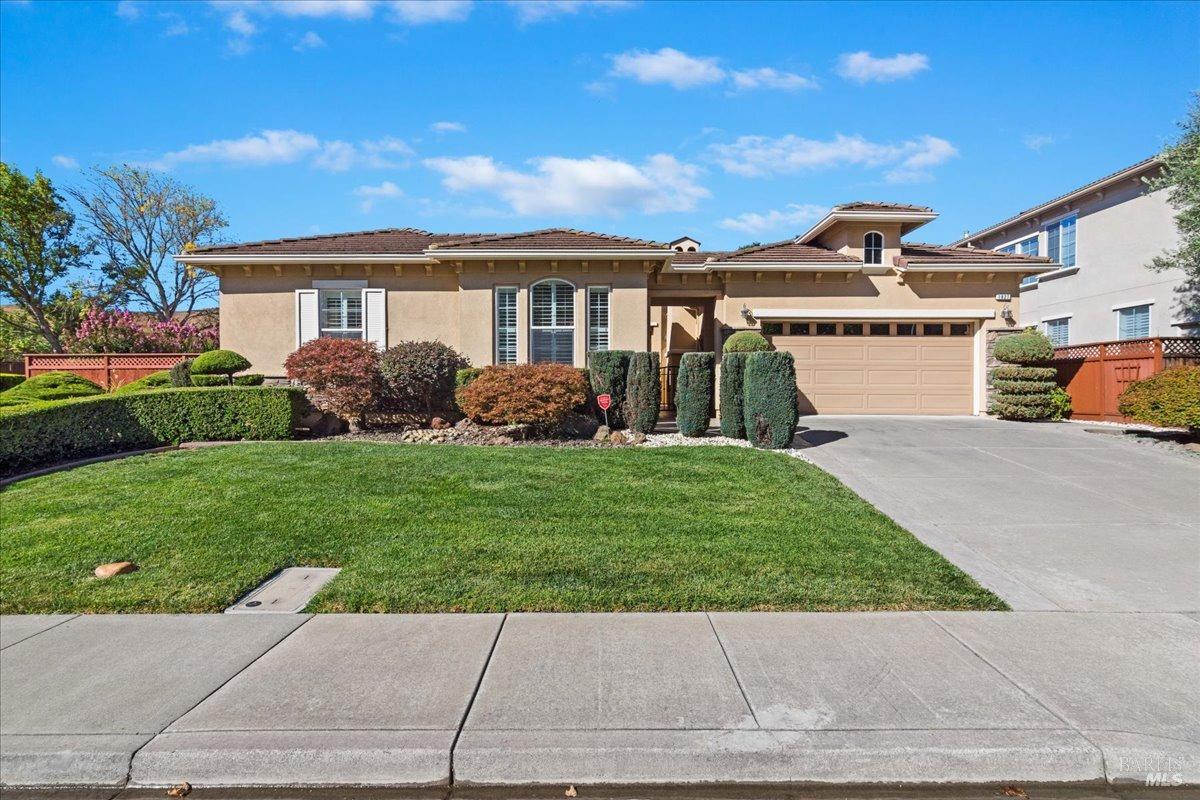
83, 462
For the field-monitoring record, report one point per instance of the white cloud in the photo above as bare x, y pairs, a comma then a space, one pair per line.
239, 22
757, 156
669, 66
423, 12
531, 11
66, 162
372, 194
593, 185
309, 41
1037, 141
448, 127
275, 147
386, 153
790, 216
345, 9
176, 25
768, 78
864, 67
128, 9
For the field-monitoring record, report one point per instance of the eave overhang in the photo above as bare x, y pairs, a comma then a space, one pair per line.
909, 221
873, 313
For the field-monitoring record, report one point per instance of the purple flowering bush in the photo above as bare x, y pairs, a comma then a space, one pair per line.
124, 332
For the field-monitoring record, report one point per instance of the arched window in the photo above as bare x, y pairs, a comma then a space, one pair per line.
873, 248
552, 321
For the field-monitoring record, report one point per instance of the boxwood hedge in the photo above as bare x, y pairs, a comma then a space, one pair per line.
1170, 399
58, 385
693, 393
746, 342
643, 391
40, 434
10, 379
608, 372
733, 417
770, 394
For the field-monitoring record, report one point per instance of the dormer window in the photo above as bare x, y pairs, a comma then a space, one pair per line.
873, 248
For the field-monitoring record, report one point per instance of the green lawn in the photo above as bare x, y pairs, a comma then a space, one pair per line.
443, 528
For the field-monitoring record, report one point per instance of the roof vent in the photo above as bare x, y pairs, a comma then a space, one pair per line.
685, 244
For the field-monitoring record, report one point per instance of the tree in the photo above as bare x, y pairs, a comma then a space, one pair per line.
38, 249
1181, 178
138, 220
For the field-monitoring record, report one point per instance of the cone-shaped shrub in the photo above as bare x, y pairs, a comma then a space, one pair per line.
733, 416
693, 393
1023, 391
769, 390
642, 392
607, 373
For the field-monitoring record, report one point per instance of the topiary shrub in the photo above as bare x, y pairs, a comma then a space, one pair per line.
219, 362
40, 434
1025, 348
1023, 391
341, 376
746, 342
249, 379
155, 380
1170, 399
208, 381
694, 393
50, 386
524, 394
608, 373
769, 399
10, 379
731, 413
418, 378
643, 392
181, 374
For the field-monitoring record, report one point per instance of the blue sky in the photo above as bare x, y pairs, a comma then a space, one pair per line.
730, 122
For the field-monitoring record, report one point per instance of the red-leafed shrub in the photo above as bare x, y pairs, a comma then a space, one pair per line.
530, 394
341, 376
418, 378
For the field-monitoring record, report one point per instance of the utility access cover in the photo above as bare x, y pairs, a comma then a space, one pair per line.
287, 592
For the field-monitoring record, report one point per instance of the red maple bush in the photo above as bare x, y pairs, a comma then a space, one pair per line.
340, 375
524, 394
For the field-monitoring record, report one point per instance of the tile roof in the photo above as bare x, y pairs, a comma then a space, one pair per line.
549, 239
871, 205
410, 241
922, 253
786, 251
694, 257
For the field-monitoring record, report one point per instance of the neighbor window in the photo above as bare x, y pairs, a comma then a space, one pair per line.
506, 325
1133, 322
341, 314
598, 318
1028, 247
1060, 241
873, 248
552, 322
1058, 331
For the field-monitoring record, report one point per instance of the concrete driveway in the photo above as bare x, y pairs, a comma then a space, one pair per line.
1048, 516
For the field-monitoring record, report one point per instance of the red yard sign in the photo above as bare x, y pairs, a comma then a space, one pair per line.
604, 401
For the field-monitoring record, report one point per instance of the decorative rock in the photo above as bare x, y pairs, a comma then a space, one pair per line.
637, 438
602, 433
464, 423
115, 568
439, 424
576, 426
616, 437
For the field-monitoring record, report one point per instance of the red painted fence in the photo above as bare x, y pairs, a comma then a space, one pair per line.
1095, 374
107, 369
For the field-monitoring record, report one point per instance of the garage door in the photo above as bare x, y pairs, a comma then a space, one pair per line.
880, 367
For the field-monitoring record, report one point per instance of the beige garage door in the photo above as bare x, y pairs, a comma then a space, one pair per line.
881, 367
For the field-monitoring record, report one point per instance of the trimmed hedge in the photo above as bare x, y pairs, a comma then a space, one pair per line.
1024, 374
41, 434
207, 381
693, 393
770, 395
1024, 391
731, 412
746, 342
1024, 386
181, 374
1170, 399
1022, 406
219, 362
155, 380
643, 392
10, 379
249, 379
49, 386
1025, 348
608, 373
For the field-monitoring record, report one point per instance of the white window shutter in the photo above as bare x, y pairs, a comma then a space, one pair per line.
375, 317
306, 316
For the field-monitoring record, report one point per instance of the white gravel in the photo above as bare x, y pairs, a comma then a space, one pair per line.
708, 440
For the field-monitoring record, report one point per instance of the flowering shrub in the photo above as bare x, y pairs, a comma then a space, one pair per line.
418, 377
103, 331
530, 394
341, 376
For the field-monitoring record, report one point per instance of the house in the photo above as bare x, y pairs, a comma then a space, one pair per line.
877, 324
1103, 235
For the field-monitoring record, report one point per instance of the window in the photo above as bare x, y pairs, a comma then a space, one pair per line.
960, 329
506, 324
1029, 280
798, 329
598, 318
1058, 331
772, 328
341, 314
1133, 322
852, 329
552, 322
826, 328
1060, 241
906, 329
1028, 247
880, 329
1008, 248
933, 329
873, 248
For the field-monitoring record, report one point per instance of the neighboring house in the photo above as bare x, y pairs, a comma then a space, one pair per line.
877, 325
1103, 235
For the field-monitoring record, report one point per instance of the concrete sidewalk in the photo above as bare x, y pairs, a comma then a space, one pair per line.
633, 704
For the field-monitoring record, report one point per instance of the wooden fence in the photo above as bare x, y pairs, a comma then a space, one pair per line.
1095, 374
107, 369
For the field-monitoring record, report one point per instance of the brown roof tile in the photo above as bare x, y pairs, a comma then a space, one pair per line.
922, 253
549, 239
786, 251
694, 257
871, 205
399, 241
